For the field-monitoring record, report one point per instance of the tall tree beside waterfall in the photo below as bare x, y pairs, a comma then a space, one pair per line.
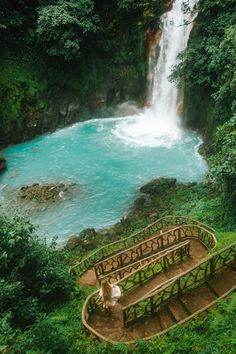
208, 69
62, 26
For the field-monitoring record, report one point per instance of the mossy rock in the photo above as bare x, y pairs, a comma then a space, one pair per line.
73, 242
158, 186
3, 164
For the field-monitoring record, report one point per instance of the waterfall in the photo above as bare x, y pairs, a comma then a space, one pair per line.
160, 124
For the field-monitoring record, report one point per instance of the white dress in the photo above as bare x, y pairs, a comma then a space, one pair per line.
115, 294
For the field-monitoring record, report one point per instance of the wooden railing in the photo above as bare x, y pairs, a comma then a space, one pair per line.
148, 231
154, 267
146, 272
121, 273
152, 246
190, 279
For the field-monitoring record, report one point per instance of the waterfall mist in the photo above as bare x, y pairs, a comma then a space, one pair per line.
160, 124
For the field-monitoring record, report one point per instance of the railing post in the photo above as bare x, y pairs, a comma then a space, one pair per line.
152, 305
96, 271
124, 318
140, 278
179, 234
102, 269
141, 251
164, 265
212, 267
179, 287
181, 253
120, 260
161, 240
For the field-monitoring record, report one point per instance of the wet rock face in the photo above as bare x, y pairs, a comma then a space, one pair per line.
73, 242
158, 186
44, 193
86, 240
3, 164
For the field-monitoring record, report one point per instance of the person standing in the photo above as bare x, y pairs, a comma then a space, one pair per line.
109, 294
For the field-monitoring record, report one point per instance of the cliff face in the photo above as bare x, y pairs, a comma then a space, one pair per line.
35, 104
207, 68
40, 94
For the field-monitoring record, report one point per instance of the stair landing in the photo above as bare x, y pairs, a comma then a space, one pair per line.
177, 310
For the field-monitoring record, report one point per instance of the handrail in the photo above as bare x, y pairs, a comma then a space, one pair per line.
195, 276
90, 304
154, 267
147, 271
130, 342
153, 245
148, 231
122, 272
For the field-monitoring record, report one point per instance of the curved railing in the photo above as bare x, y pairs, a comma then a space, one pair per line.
181, 233
148, 305
152, 246
140, 276
147, 271
121, 273
148, 231
194, 277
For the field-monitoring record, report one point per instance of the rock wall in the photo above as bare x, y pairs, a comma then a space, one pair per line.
46, 95
63, 102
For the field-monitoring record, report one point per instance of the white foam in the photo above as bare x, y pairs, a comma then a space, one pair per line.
146, 130
160, 124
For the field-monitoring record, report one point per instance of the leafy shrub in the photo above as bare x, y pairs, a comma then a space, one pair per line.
61, 26
223, 161
46, 337
207, 66
33, 276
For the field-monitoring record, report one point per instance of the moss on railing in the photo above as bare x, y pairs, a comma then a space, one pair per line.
96, 256
194, 277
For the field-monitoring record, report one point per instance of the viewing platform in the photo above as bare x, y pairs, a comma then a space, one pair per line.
166, 277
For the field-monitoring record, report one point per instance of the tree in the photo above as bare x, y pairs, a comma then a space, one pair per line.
62, 26
33, 277
207, 66
223, 161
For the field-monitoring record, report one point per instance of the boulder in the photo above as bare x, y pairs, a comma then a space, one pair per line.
72, 243
44, 192
88, 234
87, 238
158, 186
3, 164
141, 201
154, 214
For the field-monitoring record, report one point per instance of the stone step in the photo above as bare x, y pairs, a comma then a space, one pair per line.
165, 318
178, 310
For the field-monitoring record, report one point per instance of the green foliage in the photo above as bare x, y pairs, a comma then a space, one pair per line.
46, 337
21, 101
224, 239
62, 330
223, 161
208, 69
33, 278
207, 66
62, 26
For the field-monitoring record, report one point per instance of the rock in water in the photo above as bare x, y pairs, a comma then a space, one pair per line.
158, 186
44, 193
72, 243
3, 164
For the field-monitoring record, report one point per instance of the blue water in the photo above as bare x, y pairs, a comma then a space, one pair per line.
108, 170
